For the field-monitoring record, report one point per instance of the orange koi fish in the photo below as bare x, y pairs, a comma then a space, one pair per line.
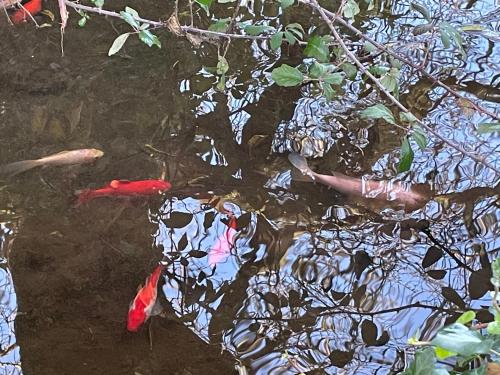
124, 188
142, 306
32, 8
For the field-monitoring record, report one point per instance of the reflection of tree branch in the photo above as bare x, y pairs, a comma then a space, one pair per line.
338, 18
362, 313
447, 251
314, 4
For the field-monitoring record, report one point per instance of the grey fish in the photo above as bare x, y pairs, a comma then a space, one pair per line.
381, 190
86, 155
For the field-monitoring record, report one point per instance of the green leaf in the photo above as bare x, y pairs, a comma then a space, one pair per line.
317, 48
221, 85
389, 82
334, 78
222, 65
448, 34
290, 38
406, 156
118, 44
205, 5
351, 8
98, 3
286, 3
419, 137
369, 47
407, 117
459, 339
276, 40
82, 21
132, 11
495, 266
350, 70
466, 317
379, 111
129, 18
422, 10
287, 76
494, 328
149, 39
257, 29
318, 70
328, 91
423, 363
488, 127
295, 28
443, 353
220, 25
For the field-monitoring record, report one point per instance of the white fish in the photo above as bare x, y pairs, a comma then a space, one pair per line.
381, 190
86, 155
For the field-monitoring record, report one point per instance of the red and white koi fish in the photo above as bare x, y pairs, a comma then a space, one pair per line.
222, 247
143, 304
124, 188
31, 8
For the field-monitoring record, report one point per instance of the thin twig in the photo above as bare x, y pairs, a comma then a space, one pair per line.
314, 4
158, 24
381, 47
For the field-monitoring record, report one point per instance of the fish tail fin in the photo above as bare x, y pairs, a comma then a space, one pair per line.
83, 196
300, 162
18, 167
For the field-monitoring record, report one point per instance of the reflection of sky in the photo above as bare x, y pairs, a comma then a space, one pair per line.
266, 333
10, 357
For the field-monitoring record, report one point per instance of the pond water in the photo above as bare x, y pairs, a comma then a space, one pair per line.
262, 274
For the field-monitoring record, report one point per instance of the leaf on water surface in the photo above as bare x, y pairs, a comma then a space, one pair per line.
459, 339
432, 255
422, 9
118, 44
406, 156
340, 358
479, 283
451, 295
183, 242
378, 111
383, 339
178, 219
488, 127
369, 332
317, 48
437, 274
